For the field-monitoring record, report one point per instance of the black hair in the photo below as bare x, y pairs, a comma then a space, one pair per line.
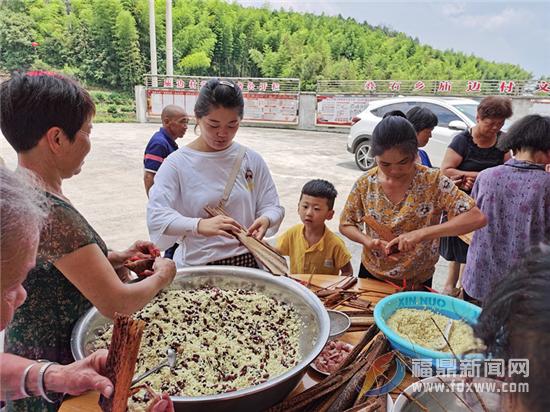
394, 132
514, 324
320, 188
530, 133
33, 103
395, 113
218, 93
422, 118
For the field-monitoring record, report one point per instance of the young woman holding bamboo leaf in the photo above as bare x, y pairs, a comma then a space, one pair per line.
213, 171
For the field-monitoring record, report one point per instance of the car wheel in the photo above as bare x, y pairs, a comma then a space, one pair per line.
363, 159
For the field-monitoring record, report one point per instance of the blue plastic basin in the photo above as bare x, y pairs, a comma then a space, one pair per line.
445, 305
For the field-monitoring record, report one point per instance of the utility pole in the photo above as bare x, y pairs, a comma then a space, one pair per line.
169, 48
153, 43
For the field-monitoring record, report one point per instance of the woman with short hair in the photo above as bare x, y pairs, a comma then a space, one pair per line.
470, 152
47, 119
515, 197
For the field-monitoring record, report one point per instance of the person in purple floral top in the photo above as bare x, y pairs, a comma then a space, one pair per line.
515, 197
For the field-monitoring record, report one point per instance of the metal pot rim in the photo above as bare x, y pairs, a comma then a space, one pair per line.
293, 286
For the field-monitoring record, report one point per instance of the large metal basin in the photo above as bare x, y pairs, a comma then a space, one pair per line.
314, 334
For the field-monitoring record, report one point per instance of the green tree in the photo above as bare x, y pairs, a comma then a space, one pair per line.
16, 35
127, 48
106, 65
106, 42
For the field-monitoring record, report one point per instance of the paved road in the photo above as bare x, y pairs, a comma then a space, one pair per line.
109, 191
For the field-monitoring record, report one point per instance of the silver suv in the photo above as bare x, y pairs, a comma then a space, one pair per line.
454, 114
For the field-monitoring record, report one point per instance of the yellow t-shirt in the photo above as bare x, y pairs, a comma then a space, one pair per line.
326, 257
431, 193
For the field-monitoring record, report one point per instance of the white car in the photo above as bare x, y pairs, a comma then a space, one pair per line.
454, 114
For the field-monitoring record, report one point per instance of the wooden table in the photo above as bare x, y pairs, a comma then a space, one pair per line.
374, 290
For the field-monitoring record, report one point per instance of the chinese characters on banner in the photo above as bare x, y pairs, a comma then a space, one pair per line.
506, 87
339, 110
248, 86
264, 100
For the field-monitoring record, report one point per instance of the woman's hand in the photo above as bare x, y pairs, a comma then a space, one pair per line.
376, 244
406, 242
80, 376
161, 403
218, 226
141, 249
381, 245
468, 183
259, 227
165, 269
457, 180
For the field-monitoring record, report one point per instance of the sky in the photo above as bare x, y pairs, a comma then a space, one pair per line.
516, 32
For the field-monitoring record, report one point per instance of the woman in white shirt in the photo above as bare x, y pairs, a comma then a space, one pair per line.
200, 174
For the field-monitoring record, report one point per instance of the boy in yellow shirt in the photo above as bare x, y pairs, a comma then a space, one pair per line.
313, 247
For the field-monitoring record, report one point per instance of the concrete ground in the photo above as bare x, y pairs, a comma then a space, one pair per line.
109, 191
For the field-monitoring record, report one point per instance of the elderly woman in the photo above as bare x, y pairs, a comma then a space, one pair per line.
516, 199
514, 325
47, 119
22, 214
405, 199
470, 152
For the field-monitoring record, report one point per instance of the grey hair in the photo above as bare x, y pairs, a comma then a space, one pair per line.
23, 208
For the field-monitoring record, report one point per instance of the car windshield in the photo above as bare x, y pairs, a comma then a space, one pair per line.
469, 110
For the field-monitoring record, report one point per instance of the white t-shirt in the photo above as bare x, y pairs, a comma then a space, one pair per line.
187, 181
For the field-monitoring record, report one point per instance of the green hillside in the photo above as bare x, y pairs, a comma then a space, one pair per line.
106, 43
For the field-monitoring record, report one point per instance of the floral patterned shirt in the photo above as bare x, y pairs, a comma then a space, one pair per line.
430, 194
42, 326
515, 197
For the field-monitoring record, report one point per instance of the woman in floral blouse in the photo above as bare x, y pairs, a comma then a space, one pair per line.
408, 200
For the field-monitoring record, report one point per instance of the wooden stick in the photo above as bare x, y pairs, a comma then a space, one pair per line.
480, 400
367, 337
359, 304
412, 399
333, 285
327, 292
325, 387
121, 361
348, 394
404, 361
343, 373
341, 301
356, 313
362, 321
